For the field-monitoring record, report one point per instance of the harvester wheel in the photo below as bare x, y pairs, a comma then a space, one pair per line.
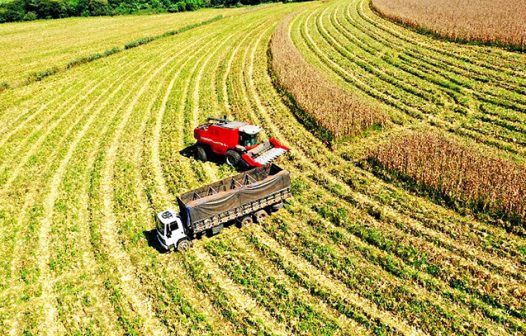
261, 215
183, 244
243, 165
200, 154
232, 158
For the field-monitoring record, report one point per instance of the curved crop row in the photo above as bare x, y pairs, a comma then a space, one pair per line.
458, 88
349, 254
337, 111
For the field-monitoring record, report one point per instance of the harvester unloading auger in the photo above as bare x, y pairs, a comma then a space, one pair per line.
237, 141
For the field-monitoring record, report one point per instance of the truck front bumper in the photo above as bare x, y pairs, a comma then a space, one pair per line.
161, 242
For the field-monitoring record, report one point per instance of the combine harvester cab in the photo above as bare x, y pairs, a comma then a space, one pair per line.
237, 142
244, 198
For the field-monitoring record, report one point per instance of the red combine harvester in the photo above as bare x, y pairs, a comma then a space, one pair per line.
237, 141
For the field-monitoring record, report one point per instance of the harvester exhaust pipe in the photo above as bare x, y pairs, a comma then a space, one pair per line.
221, 120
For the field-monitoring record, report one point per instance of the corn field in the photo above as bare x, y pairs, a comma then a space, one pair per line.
457, 171
90, 153
486, 21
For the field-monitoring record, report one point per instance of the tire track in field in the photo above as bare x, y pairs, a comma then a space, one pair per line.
252, 95
174, 266
200, 256
44, 255
109, 237
166, 199
263, 315
211, 173
122, 101
386, 318
181, 278
124, 267
143, 208
138, 85
135, 150
238, 297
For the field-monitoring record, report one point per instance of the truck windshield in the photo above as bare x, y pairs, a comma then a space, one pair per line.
247, 140
160, 226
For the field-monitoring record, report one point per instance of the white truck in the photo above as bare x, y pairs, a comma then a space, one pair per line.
243, 198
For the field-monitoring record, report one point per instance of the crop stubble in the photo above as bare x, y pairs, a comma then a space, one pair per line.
325, 260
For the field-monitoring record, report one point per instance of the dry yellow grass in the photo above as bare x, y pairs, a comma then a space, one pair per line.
336, 110
457, 171
489, 21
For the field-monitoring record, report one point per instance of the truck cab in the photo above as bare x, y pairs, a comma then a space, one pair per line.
170, 230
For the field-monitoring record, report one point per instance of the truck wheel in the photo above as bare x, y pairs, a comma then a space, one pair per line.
276, 207
200, 154
247, 220
261, 215
183, 244
232, 158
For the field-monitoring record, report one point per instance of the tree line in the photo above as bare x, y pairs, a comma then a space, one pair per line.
26, 10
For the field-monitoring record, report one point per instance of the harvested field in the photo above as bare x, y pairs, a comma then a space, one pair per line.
485, 21
58, 42
88, 155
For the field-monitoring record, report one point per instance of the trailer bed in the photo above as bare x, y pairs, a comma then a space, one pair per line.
234, 197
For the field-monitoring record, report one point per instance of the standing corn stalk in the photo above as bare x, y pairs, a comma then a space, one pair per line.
335, 110
461, 173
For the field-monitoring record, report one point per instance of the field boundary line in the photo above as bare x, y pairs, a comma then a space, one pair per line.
38, 76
